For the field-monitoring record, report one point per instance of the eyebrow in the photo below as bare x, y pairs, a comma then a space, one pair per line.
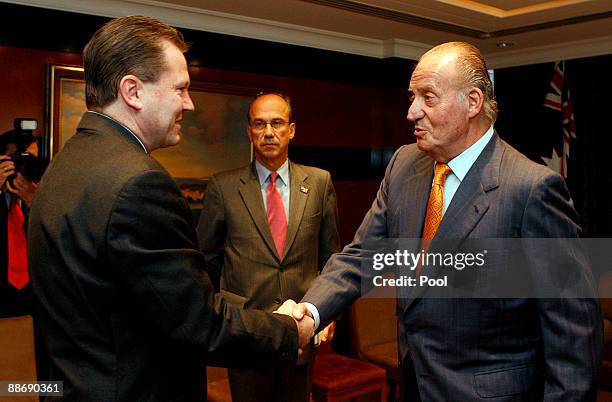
426, 88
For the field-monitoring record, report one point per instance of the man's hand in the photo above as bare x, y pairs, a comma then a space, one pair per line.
300, 311
327, 334
22, 188
7, 168
305, 324
286, 308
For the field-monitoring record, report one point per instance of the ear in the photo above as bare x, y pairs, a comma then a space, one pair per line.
249, 134
130, 90
475, 100
291, 130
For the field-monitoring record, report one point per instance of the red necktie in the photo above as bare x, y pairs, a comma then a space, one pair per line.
17, 249
276, 215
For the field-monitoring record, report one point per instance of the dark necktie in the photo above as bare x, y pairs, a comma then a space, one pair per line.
276, 215
17, 249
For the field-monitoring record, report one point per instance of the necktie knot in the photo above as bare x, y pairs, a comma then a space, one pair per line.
273, 177
441, 172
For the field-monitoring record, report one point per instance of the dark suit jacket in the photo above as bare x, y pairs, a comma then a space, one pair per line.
113, 254
521, 349
236, 240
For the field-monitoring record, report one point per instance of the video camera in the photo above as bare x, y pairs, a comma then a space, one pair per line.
31, 166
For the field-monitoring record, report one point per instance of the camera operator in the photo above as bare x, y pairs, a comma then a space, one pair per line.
21, 186
16, 195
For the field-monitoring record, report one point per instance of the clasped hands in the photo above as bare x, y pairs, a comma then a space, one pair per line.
305, 323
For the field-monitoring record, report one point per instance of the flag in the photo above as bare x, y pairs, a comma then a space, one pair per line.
558, 100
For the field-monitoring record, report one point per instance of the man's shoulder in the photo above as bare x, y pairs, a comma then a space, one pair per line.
406, 157
410, 151
310, 170
518, 166
130, 165
233, 175
103, 163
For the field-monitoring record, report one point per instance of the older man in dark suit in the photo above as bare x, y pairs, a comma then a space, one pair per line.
266, 230
113, 250
461, 182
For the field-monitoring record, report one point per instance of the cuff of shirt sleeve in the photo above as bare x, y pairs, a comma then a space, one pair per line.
315, 314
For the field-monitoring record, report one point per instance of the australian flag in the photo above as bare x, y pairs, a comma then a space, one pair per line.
560, 120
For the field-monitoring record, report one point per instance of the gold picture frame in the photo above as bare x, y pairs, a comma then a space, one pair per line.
214, 135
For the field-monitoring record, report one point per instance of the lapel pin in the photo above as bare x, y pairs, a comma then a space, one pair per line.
304, 189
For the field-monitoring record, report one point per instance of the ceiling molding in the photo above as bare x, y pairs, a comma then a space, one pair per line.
543, 54
398, 16
548, 25
406, 18
487, 9
211, 21
229, 24
403, 49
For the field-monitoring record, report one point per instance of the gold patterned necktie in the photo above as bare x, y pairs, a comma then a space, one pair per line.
435, 204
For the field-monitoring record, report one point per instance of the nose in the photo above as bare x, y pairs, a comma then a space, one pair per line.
415, 112
268, 130
188, 103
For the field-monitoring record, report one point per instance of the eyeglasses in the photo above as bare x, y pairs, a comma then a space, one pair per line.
261, 125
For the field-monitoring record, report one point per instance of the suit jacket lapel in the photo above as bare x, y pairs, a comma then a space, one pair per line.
468, 206
250, 191
413, 207
298, 195
414, 200
470, 202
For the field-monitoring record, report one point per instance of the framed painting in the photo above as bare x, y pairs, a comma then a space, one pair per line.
213, 136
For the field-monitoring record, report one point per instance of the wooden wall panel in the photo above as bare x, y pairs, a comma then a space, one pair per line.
333, 118
23, 81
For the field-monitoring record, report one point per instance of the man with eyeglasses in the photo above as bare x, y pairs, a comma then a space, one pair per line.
266, 230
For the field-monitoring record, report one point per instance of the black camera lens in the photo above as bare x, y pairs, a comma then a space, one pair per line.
32, 167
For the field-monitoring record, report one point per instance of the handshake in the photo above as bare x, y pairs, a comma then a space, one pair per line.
305, 323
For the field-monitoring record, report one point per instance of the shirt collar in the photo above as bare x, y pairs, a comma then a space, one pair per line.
122, 125
263, 172
461, 164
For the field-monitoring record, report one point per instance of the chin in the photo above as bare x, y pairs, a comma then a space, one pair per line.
423, 145
270, 154
173, 140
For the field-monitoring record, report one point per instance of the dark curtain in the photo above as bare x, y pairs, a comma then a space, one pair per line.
520, 92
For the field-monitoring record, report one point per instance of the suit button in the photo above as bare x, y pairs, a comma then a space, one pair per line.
278, 300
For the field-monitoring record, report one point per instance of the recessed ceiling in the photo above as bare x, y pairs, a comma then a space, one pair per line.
541, 30
505, 9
